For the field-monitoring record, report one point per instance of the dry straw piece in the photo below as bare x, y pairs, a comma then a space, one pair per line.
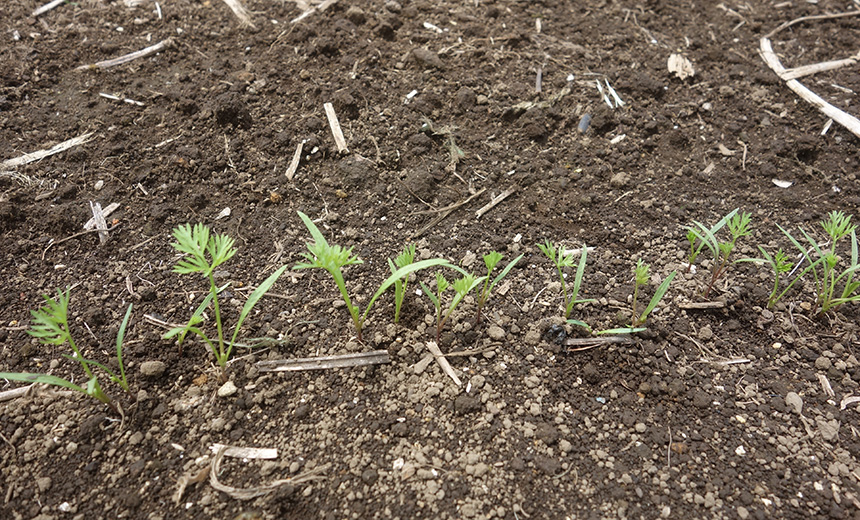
789, 75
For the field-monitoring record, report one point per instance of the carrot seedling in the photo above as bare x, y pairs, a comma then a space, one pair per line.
51, 327
407, 257
333, 257
203, 253
738, 226
827, 276
462, 287
561, 259
641, 276
491, 260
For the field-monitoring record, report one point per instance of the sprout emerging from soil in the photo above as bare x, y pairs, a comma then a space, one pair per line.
462, 287
824, 266
491, 259
322, 255
561, 259
51, 327
738, 226
203, 253
407, 257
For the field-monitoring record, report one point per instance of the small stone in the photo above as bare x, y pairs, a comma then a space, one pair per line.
427, 58
152, 368
496, 333
99, 185
369, 476
619, 180
549, 466
43, 484
829, 429
227, 389
823, 363
792, 400
710, 500
743, 513
532, 337
705, 333
464, 405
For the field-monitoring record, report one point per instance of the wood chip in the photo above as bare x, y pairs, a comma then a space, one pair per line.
294, 164
702, 305
680, 66
825, 385
440, 358
492, 204
375, 357
12, 164
129, 57
189, 478
245, 453
336, 131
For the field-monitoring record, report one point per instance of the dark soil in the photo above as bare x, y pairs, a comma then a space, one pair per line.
720, 413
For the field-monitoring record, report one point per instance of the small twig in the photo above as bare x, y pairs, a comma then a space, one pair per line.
848, 121
322, 7
669, 449
492, 204
8, 395
99, 219
444, 214
324, 362
27, 158
240, 12
76, 235
336, 131
440, 358
590, 343
47, 7
294, 164
106, 211
786, 25
249, 493
128, 57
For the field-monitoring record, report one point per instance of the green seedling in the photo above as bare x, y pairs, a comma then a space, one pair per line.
462, 287
333, 257
779, 264
825, 270
561, 259
51, 327
696, 245
203, 254
407, 257
738, 226
641, 276
491, 260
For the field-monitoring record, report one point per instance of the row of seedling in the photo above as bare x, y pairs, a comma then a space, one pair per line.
831, 274
203, 252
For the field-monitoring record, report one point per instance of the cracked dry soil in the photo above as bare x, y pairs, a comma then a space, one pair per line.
720, 413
